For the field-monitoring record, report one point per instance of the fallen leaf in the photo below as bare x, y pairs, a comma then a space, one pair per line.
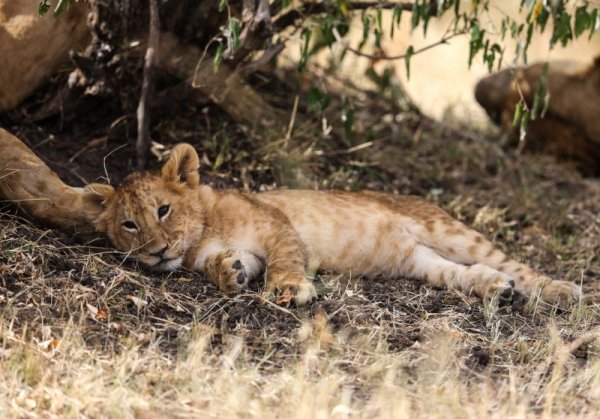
53, 343
139, 303
49, 344
101, 315
93, 310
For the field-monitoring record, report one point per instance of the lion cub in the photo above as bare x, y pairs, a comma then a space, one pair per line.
168, 219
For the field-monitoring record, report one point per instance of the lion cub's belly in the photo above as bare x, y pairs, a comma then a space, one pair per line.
358, 237
369, 246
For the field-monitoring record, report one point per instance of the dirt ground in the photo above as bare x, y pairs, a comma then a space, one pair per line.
76, 316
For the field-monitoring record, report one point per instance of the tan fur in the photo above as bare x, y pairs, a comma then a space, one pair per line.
227, 234
33, 47
570, 129
35, 189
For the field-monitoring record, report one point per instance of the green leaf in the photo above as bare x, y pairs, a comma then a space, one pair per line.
594, 23
490, 53
425, 17
324, 34
348, 120
44, 7
343, 28
516, 29
523, 127
476, 41
218, 58
582, 20
539, 92
486, 46
522, 4
305, 35
396, 16
527, 42
235, 26
543, 19
503, 28
317, 99
415, 15
342, 7
500, 59
410, 51
61, 6
366, 21
562, 29
222, 5
379, 30
517, 115
546, 104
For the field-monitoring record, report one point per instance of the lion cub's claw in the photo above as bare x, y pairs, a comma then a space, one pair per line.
305, 293
503, 288
507, 295
301, 292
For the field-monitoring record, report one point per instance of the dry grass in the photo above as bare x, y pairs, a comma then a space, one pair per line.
82, 334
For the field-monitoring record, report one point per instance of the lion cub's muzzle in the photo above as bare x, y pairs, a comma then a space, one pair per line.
164, 259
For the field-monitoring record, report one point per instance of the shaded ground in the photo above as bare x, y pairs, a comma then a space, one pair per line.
534, 209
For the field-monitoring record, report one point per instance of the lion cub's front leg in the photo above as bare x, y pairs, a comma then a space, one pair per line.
286, 265
231, 270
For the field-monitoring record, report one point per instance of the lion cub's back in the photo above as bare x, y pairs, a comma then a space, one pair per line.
364, 232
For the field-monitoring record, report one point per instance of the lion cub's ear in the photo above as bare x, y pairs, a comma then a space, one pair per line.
94, 197
182, 166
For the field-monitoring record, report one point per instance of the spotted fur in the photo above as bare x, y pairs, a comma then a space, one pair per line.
228, 235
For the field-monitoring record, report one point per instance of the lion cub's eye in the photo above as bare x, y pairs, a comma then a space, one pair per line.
130, 226
163, 211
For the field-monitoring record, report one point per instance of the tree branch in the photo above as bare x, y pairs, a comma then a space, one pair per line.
380, 57
292, 16
270, 52
224, 87
258, 27
143, 113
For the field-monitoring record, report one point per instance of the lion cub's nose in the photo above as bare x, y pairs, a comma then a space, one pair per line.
160, 253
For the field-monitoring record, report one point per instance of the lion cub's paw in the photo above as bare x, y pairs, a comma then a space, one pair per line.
501, 286
561, 293
305, 293
301, 291
237, 269
233, 277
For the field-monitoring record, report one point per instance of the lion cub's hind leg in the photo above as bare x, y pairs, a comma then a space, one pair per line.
426, 264
463, 245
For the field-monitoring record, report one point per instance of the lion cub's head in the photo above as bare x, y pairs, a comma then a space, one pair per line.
153, 216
